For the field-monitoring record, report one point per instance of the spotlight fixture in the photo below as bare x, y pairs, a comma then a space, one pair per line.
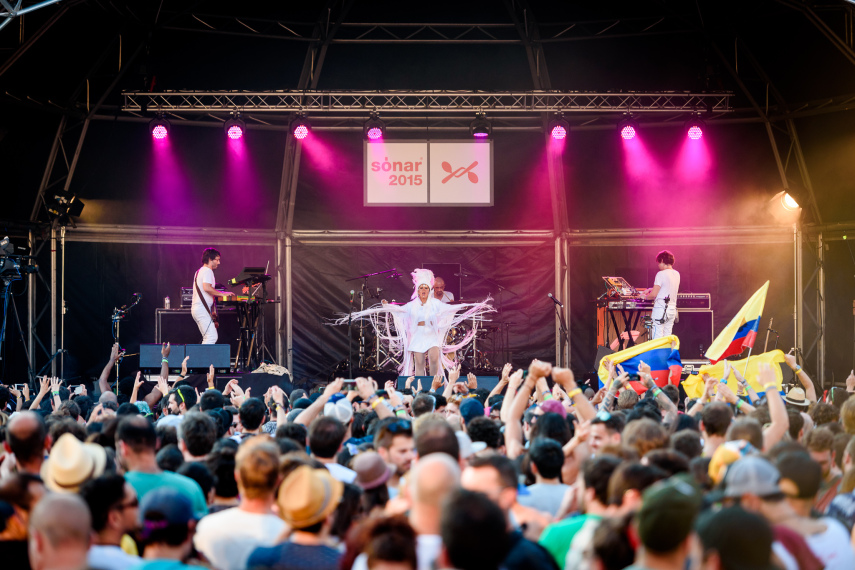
628, 128
558, 127
65, 204
480, 128
300, 127
159, 127
788, 202
695, 128
235, 127
373, 129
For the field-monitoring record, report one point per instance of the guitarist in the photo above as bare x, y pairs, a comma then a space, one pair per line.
203, 309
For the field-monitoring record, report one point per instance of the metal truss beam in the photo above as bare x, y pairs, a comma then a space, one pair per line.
431, 102
11, 12
495, 33
807, 9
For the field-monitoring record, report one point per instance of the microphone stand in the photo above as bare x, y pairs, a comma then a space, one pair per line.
350, 340
562, 329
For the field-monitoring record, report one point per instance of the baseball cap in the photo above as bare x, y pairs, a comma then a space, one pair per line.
668, 512
471, 408
754, 475
743, 540
164, 507
340, 410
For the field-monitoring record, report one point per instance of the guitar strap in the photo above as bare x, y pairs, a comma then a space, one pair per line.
213, 313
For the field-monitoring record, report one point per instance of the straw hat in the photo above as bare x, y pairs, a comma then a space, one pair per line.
796, 397
71, 463
308, 496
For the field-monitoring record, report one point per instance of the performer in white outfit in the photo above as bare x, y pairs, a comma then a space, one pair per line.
664, 292
439, 291
421, 326
204, 282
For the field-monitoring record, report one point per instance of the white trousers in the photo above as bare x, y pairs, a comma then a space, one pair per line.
205, 324
663, 329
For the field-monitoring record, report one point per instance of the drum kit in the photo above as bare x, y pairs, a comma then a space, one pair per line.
371, 354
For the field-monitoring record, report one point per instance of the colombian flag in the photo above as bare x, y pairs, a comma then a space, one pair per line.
664, 362
694, 384
742, 330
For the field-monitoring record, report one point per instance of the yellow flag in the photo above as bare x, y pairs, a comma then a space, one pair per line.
694, 384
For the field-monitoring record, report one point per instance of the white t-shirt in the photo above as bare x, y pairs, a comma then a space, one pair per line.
447, 297
109, 557
227, 538
205, 275
833, 546
340, 472
669, 284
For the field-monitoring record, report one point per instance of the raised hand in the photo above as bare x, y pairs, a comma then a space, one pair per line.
599, 396
137, 382
410, 381
364, 387
437, 382
184, 366
26, 391
389, 386
471, 381
726, 393
850, 382
277, 395
55, 384
766, 375
506, 372
643, 368
164, 350
564, 377
211, 376
538, 369
515, 379
163, 386
459, 388
44, 385
454, 373
114, 352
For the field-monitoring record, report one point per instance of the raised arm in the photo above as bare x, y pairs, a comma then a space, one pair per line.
777, 411
44, 388
503, 381
137, 383
513, 427
104, 379
669, 407
584, 408
807, 383
309, 414
732, 399
514, 381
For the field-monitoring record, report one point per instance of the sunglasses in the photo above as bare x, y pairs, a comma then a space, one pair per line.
400, 426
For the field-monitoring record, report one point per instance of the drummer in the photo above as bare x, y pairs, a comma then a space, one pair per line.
439, 291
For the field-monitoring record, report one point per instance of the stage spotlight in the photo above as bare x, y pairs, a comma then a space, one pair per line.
628, 128
695, 128
480, 128
64, 205
788, 202
373, 129
558, 128
159, 127
300, 127
235, 127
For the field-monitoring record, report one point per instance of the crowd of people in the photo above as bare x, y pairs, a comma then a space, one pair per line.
535, 473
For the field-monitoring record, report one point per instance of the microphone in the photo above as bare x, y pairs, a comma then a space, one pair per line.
352, 293
554, 300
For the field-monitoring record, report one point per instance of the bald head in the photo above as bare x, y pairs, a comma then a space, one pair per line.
59, 523
433, 479
25, 436
108, 397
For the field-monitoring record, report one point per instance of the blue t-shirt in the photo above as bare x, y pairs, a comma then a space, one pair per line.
145, 482
292, 556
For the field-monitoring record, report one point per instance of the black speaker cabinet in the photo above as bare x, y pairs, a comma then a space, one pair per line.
151, 357
176, 326
695, 331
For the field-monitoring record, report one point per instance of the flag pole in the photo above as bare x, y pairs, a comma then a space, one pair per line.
745, 372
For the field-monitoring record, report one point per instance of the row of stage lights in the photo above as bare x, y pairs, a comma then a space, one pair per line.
375, 129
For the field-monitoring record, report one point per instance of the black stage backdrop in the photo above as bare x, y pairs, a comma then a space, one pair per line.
730, 273
101, 276
321, 291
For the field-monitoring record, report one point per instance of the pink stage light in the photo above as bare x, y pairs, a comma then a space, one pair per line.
480, 135
559, 132
628, 133
695, 132
235, 132
374, 133
301, 132
159, 132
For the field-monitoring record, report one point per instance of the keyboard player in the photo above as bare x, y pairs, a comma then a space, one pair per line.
203, 308
663, 294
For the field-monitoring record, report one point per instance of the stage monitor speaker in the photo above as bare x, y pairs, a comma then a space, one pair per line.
202, 356
151, 357
695, 331
176, 326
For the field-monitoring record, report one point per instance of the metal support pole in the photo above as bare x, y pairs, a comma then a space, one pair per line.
289, 308
53, 298
565, 276
820, 311
797, 313
279, 296
62, 300
559, 349
31, 305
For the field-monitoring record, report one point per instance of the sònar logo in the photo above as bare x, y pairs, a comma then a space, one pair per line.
473, 178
